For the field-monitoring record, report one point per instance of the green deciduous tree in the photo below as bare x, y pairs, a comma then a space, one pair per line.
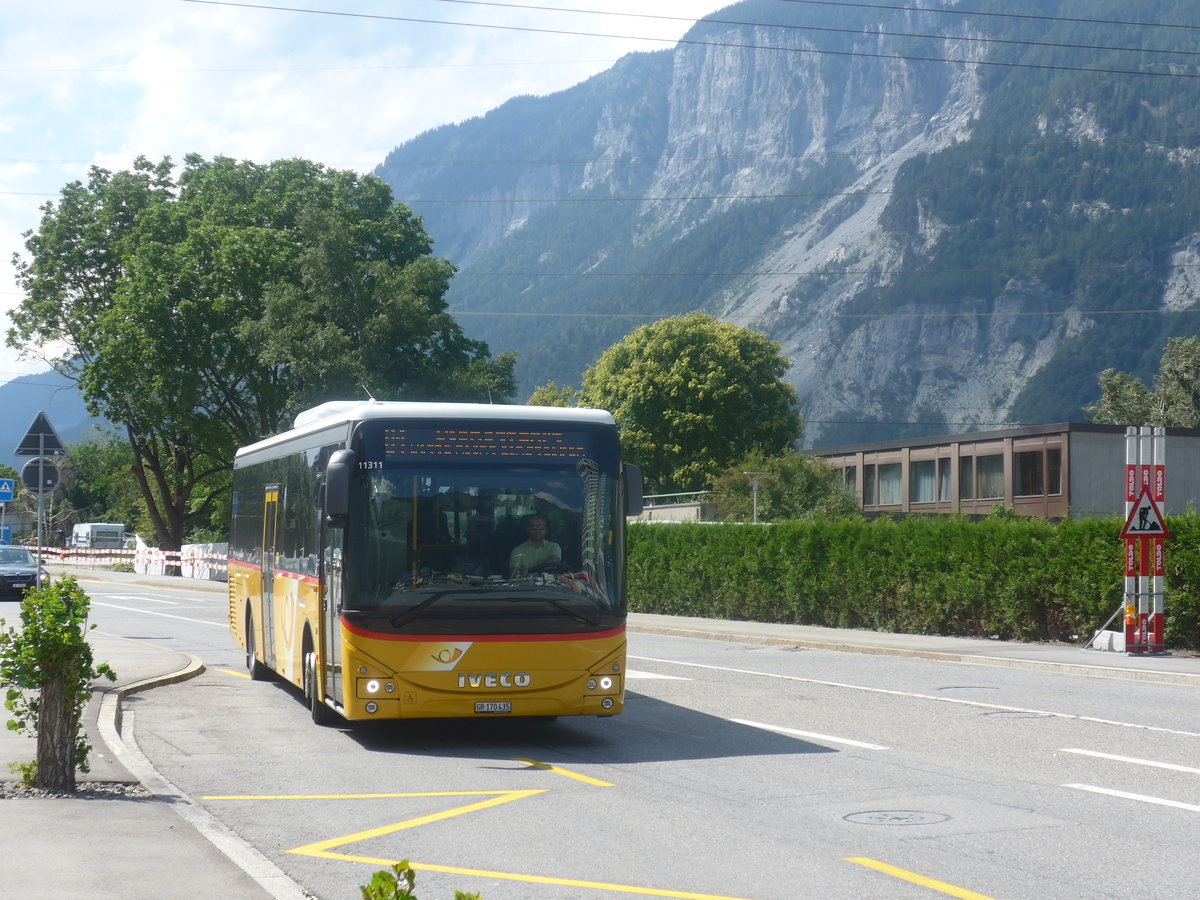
790, 486
202, 312
691, 396
1174, 402
98, 483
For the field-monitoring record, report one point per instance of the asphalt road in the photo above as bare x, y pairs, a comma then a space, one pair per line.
738, 772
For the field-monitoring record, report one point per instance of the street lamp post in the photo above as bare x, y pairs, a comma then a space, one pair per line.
754, 482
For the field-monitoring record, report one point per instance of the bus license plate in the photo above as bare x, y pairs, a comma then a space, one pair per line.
493, 706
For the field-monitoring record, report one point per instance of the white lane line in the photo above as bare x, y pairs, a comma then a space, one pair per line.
1141, 798
891, 693
150, 612
1132, 759
140, 597
813, 735
630, 673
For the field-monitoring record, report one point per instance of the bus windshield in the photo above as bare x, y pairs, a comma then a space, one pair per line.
492, 545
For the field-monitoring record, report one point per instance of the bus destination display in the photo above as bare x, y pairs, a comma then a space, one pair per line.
403, 444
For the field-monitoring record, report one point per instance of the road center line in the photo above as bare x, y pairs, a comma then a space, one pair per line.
914, 696
1141, 798
792, 732
1132, 759
149, 612
140, 597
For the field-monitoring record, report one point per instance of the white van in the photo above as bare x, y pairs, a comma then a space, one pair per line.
98, 536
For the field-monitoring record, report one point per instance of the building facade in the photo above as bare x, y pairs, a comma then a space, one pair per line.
1053, 471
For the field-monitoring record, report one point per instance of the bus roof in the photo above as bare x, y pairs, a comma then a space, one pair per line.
339, 412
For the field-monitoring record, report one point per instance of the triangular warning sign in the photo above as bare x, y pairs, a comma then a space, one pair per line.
1145, 519
40, 439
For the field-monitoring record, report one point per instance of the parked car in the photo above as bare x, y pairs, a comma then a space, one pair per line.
18, 570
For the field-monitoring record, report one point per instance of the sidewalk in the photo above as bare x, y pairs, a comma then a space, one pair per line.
158, 844
120, 840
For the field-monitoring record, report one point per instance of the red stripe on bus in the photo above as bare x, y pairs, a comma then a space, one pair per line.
482, 638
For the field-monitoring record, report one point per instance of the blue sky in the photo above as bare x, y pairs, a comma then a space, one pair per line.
85, 83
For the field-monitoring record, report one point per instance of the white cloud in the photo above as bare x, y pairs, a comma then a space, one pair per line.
84, 82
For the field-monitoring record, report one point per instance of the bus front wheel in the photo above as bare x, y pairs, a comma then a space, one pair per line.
321, 714
258, 671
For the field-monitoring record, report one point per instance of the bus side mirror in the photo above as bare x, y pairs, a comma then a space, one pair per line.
633, 489
338, 472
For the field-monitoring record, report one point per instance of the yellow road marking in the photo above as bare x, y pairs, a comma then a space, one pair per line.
365, 796
905, 875
234, 672
327, 849
322, 848
539, 879
566, 773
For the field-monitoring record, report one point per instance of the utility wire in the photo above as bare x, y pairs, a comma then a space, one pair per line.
713, 198
823, 316
728, 45
997, 15
710, 20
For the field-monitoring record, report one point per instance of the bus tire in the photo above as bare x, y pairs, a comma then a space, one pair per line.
321, 714
258, 671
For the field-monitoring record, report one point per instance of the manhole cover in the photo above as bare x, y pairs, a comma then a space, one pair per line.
896, 817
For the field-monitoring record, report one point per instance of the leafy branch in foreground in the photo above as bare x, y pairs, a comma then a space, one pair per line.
398, 885
47, 668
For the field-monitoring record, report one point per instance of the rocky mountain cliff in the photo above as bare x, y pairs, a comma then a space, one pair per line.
937, 245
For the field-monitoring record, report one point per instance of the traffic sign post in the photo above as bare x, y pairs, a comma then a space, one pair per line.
40, 474
8, 487
1145, 535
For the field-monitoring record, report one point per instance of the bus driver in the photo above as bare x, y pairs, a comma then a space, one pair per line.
536, 551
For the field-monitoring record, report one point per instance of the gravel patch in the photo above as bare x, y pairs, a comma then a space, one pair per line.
85, 790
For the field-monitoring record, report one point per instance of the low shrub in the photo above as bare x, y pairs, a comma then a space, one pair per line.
1010, 577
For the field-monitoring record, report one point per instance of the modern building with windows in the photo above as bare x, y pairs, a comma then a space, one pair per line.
1053, 471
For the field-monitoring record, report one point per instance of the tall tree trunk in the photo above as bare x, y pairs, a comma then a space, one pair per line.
55, 739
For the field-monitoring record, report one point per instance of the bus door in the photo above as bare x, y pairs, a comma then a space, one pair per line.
331, 613
269, 560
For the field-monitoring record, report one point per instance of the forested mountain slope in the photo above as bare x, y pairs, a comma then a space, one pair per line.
938, 245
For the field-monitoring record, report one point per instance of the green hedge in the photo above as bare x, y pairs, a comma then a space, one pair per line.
1016, 578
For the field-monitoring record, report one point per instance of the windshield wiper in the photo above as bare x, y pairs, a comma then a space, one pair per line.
558, 604
415, 612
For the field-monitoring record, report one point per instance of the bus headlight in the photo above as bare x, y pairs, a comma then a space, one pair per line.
370, 687
603, 684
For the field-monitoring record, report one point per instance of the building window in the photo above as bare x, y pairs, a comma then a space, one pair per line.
989, 480
966, 478
891, 485
1053, 470
851, 482
944, 480
1027, 474
868, 496
922, 476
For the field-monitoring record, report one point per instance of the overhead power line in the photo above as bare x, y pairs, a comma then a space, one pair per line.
712, 198
712, 20
775, 315
728, 45
995, 15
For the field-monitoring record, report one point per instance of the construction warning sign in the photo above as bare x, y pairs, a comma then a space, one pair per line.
1145, 519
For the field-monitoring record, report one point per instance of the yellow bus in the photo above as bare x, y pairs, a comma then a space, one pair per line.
420, 560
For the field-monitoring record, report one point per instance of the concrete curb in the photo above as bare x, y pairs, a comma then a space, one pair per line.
265, 873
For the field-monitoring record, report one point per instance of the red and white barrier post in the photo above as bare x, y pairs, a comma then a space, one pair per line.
1145, 534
